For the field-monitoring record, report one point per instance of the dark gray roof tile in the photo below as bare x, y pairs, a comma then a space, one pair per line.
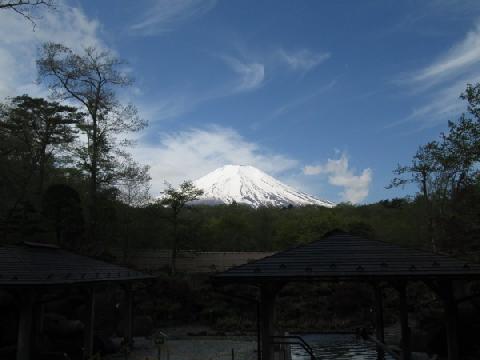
37, 264
342, 256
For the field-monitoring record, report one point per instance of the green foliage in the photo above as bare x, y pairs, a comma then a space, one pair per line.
242, 228
34, 136
176, 200
446, 171
61, 205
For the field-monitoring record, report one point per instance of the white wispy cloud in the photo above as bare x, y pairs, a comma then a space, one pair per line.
166, 107
443, 80
69, 26
251, 74
292, 105
165, 15
194, 152
304, 59
248, 76
460, 58
444, 104
302, 100
355, 187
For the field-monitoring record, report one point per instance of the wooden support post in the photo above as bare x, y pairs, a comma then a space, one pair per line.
25, 321
405, 329
451, 319
259, 331
38, 325
446, 292
89, 324
129, 316
267, 311
379, 323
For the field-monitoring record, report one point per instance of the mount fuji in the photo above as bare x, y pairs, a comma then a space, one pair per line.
246, 184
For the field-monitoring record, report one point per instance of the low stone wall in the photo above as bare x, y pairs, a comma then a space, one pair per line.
189, 261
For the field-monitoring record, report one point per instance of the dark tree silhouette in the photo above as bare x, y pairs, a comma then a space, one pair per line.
91, 79
33, 135
176, 199
62, 207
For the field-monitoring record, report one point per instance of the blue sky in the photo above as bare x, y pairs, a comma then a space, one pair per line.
326, 96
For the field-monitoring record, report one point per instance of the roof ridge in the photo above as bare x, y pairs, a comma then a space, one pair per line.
40, 245
358, 256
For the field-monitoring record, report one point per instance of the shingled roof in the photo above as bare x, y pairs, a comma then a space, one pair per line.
38, 264
342, 256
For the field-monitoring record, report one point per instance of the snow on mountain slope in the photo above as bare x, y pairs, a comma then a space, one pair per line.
248, 185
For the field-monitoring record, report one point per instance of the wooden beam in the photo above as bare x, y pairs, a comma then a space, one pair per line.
267, 311
446, 292
379, 323
405, 329
38, 323
25, 321
259, 331
451, 320
129, 316
89, 324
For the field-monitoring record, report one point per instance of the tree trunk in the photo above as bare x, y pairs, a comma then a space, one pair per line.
429, 208
93, 182
173, 267
42, 161
126, 242
41, 175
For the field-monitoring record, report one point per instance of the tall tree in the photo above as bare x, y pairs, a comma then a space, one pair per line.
176, 200
33, 134
421, 172
92, 78
133, 184
44, 127
447, 167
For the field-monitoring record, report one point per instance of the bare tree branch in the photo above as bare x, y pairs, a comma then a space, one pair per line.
27, 8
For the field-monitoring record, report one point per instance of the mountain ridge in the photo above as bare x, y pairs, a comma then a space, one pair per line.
245, 184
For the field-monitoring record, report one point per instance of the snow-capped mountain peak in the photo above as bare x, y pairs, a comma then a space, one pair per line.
246, 184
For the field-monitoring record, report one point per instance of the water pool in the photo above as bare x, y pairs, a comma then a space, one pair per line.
338, 347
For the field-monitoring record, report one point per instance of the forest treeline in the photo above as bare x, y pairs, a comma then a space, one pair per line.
67, 177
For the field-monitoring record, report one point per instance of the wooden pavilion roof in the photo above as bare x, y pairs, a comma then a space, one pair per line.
342, 256
40, 264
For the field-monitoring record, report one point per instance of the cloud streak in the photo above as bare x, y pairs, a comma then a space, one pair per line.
251, 74
165, 15
445, 78
301, 100
459, 59
355, 187
304, 59
69, 26
192, 153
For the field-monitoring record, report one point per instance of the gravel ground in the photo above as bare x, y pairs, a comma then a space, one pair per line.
194, 348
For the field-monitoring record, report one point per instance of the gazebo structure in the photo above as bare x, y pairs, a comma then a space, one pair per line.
31, 270
344, 257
